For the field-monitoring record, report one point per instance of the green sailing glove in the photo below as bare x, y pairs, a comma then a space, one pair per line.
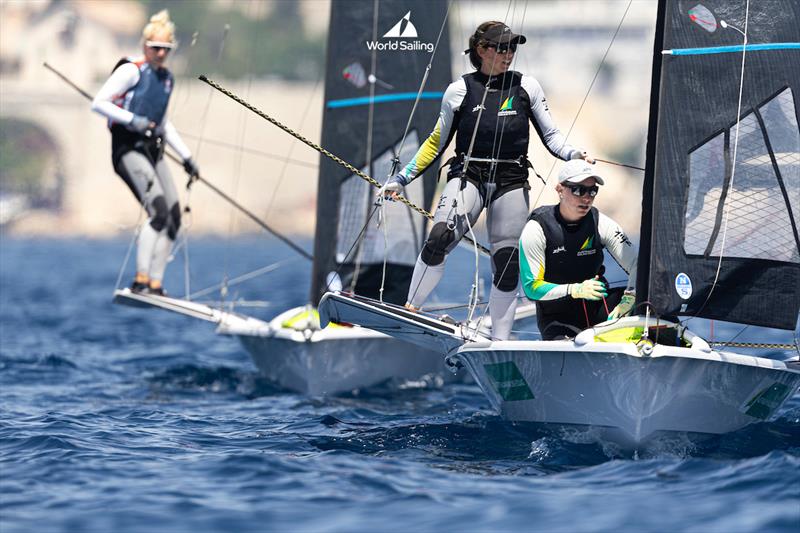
624, 306
591, 289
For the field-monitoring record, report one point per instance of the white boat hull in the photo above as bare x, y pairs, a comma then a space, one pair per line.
630, 397
335, 360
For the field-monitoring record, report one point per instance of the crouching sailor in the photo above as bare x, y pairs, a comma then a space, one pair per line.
135, 99
561, 258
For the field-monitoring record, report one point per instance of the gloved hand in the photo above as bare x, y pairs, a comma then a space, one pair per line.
141, 124
393, 187
591, 289
191, 168
624, 306
578, 154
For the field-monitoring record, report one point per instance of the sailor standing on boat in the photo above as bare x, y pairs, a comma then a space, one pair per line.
561, 258
488, 112
135, 99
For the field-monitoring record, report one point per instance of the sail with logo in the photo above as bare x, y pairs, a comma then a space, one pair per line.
376, 61
719, 239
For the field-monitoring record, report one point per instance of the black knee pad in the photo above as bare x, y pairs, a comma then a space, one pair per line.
160, 216
437, 244
506, 268
174, 221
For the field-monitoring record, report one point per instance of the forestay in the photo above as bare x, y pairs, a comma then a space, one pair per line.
722, 193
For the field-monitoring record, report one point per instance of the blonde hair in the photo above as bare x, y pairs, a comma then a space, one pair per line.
158, 24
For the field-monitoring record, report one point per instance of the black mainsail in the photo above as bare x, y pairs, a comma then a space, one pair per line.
722, 188
376, 58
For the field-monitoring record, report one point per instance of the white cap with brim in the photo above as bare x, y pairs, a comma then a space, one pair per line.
576, 171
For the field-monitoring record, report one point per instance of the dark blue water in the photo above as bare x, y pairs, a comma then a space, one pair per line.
117, 419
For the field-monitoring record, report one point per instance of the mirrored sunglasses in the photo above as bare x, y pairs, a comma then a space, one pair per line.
583, 190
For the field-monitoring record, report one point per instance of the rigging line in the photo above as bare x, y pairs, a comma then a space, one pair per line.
754, 345
355, 242
396, 159
424, 80
499, 145
254, 218
203, 180
241, 278
495, 151
586, 96
196, 153
370, 123
241, 130
316, 147
473, 296
634, 167
287, 160
726, 204
207, 107
254, 151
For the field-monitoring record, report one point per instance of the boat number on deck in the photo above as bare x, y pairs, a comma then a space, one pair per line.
683, 286
508, 381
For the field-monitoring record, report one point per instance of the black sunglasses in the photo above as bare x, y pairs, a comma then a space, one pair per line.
168, 49
503, 48
582, 190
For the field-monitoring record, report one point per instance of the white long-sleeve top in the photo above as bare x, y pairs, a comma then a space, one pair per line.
123, 79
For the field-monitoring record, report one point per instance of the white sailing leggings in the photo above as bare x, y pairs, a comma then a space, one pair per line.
505, 219
153, 187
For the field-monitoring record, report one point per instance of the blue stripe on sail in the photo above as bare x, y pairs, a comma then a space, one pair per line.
729, 49
382, 99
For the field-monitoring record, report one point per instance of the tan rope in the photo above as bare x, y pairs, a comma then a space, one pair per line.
775, 346
322, 150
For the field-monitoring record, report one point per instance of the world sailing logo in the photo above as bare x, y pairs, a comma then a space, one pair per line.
404, 28
398, 36
505, 109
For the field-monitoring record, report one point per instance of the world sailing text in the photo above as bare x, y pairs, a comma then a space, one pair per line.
399, 45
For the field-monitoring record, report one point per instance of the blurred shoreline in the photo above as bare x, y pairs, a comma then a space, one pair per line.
266, 170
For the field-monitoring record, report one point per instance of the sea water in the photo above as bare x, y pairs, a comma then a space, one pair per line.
121, 419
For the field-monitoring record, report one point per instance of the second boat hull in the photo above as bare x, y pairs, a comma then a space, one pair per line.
633, 397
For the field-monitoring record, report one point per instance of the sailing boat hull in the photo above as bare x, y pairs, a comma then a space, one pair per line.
337, 359
629, 397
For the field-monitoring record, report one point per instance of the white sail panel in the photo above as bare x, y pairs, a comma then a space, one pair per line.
400, 242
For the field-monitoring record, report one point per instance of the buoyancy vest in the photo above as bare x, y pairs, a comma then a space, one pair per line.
150, 98
503, 132
573, 253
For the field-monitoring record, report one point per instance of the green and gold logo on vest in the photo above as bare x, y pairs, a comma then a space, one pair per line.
586, 247
508, 381
506, 109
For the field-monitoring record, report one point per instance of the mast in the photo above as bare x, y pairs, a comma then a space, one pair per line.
646, 230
